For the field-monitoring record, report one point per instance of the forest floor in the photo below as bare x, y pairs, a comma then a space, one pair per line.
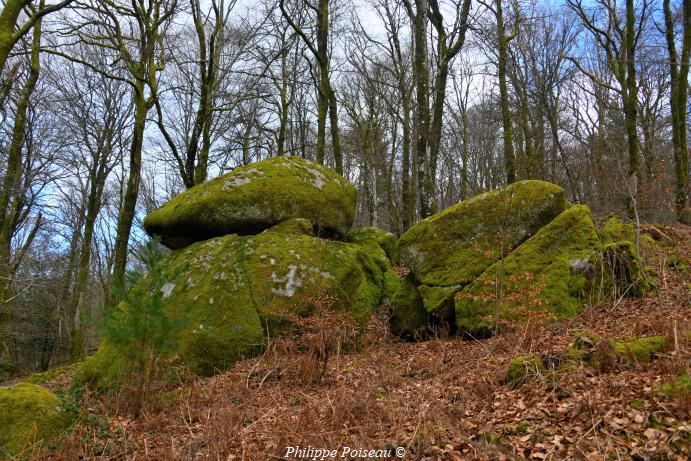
443, 399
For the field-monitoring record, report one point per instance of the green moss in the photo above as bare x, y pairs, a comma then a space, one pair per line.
257, 197
408, 316
524, 368
621, 271
457, 245
391, 284
642, 350
547, 275
295, 226
372, 235
104, 370
678, 262
523, 428
677, 386
637, 404
288, 273
589, 348
30, 414
615, 230
437, 299
234, 288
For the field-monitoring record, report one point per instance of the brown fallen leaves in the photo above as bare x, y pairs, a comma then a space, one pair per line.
439, 400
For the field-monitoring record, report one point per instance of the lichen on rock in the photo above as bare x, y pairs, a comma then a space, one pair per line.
254, 198
235, 289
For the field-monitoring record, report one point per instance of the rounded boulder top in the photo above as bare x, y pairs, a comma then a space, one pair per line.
254, 198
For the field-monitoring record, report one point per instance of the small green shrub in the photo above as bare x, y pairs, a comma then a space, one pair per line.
140, 328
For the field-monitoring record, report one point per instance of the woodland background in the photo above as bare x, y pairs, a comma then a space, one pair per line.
108, 108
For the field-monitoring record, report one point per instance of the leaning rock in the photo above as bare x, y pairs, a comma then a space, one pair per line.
254, 198
235, 288
30, 414
549, 274
448, 250
458, 244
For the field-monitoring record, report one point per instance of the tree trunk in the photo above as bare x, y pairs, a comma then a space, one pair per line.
678, 99
11, 195
503, 41
129, 202
422, 146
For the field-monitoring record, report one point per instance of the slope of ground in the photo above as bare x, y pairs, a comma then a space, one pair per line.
441, 399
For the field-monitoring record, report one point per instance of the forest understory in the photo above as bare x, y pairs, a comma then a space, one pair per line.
446, 398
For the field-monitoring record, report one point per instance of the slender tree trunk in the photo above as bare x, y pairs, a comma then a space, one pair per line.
631, 104
335, 136
407, 199
503, 40
11, 196
678, 100
283, 119
129, 202
77, 308
422, 146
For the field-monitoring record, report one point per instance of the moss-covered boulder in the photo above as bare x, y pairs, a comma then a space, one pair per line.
457, 245
254, 198
547, 275
236, 288
29, 415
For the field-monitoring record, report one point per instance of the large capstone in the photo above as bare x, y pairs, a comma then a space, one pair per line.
254, 198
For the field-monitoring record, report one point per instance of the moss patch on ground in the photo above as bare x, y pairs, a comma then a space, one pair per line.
681, 385
30, 414
545, 276
524, 368
604, 353
641, 350
254, 198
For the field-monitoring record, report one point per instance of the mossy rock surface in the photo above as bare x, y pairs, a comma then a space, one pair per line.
622, 272
522, 369
233, 288
30, 414
254, 198
408, 315
105, 370
391, 283
549, 273
373, 235
455, 246
615, 229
